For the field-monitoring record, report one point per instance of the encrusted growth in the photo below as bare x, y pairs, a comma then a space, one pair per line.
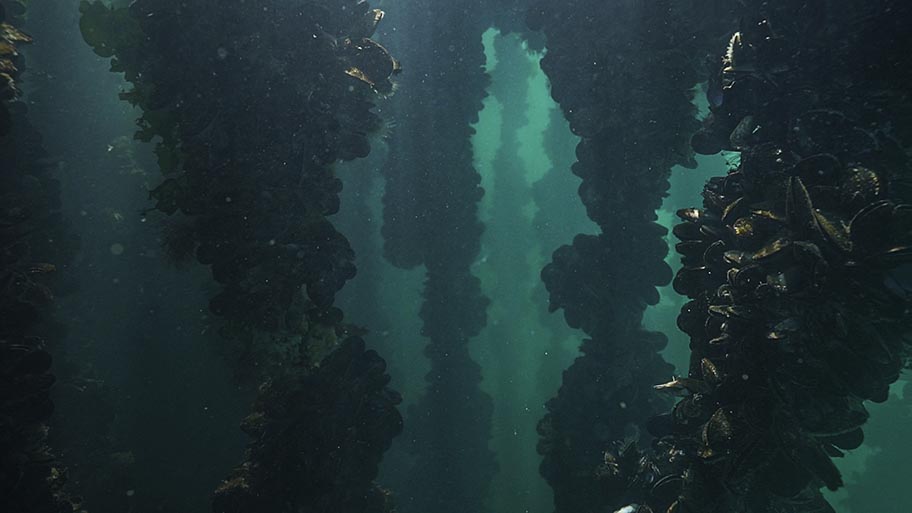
430, 218
797, 264
33, 242
622, 74
300, 459
251, 106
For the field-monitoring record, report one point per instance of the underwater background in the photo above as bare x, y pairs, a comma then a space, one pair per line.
476, 256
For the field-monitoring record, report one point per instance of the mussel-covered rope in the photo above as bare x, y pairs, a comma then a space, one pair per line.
252, 106
797, 264
430, 218
33, 243
622, 75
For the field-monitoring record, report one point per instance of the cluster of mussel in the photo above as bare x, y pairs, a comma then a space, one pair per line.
430, 218
634, 127
300, 456
10, 38
430, 178
253, 108
31, 477
796, 267
254, 105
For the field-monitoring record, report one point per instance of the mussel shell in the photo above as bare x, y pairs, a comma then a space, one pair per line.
368, 23
734, 312
820, 464
832, 415
744, 228
743, 135
708, 141
866, 229
861, 186
784, 329
689, 409
370, 62
691, 281
687, 231
694, 215
772, 249
667, 489
834, 231
710, 372
880, 395
692, 318
718, 433
799, 209
747, 277
783, 476
712, 232
768, 214
894, 257
827, 197
820, 169
692, 248
731, 210
767, 160
714, 254
737, 258
848, 441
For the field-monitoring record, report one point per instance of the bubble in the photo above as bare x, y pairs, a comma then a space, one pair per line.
117, 249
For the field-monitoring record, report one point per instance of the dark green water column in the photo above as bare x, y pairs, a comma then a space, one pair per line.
635, 123
796, 266
430, 218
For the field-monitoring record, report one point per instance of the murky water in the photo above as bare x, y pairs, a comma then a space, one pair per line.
509, 256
